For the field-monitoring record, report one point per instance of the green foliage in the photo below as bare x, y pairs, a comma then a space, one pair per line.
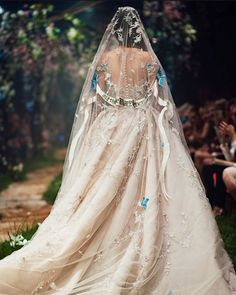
172, 34
42, 161
31, 34
6, 247
17, 172
5, 181
32, 43
37, 162
227, 225
51, 193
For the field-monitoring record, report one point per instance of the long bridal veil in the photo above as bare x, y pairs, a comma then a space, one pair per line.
124, 43
106, 233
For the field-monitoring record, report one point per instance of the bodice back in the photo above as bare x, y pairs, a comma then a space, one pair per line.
126, 74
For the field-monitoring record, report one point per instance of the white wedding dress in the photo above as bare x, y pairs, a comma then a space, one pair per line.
131, 216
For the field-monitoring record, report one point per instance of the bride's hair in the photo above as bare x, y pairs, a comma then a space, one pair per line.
125, 19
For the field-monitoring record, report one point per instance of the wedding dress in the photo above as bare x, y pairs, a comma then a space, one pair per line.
131, 216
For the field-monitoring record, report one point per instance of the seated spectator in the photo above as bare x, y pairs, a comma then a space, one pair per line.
206, 142
229, 178
229, 174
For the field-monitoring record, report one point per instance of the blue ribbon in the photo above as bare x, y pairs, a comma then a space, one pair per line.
144, 202
94, 81
161, 77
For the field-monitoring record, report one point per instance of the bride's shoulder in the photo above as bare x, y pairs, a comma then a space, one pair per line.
127, 51
141, 55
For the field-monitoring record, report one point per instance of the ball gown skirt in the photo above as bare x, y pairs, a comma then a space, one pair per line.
113, 231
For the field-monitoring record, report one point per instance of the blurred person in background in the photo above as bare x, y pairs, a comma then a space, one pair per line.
207, 142
229, 173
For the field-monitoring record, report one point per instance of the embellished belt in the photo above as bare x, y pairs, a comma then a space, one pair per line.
121, 101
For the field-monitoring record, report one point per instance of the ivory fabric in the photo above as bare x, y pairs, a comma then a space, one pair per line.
175, 243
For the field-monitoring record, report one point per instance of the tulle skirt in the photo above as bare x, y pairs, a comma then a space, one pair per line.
114, 231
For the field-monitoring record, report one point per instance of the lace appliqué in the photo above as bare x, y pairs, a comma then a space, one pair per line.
135, 95
194, 181
131, 21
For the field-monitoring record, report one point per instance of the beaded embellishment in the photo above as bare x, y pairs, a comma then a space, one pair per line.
121, 101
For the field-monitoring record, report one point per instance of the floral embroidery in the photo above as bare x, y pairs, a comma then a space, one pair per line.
194, 181
174, 130
102, 67
132, 20
98, 256
138, 217
136, 96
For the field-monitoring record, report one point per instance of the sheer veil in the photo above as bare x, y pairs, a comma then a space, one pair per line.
124, 42
96, 239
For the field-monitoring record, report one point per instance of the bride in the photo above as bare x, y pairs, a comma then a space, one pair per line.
131, 216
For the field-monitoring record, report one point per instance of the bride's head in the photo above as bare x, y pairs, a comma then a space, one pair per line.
128, 28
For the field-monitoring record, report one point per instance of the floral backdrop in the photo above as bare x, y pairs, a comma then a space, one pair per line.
44, 58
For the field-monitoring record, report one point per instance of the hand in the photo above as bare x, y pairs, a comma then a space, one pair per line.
226, 129
209, 160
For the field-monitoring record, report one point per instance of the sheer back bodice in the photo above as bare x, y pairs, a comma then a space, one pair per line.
126, 73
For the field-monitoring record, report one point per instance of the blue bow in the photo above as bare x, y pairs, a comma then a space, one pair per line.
144, 202
161, 77
94, 81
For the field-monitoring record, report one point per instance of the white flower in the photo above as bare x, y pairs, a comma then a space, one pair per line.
49, 31
35, 13
137, 38
20, 12
18, 240
20, 166
72, 33
1, 10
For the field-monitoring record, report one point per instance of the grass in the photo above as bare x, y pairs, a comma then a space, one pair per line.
41, 161
227, 226
27, 232
5, 181
50, 194
31, 165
